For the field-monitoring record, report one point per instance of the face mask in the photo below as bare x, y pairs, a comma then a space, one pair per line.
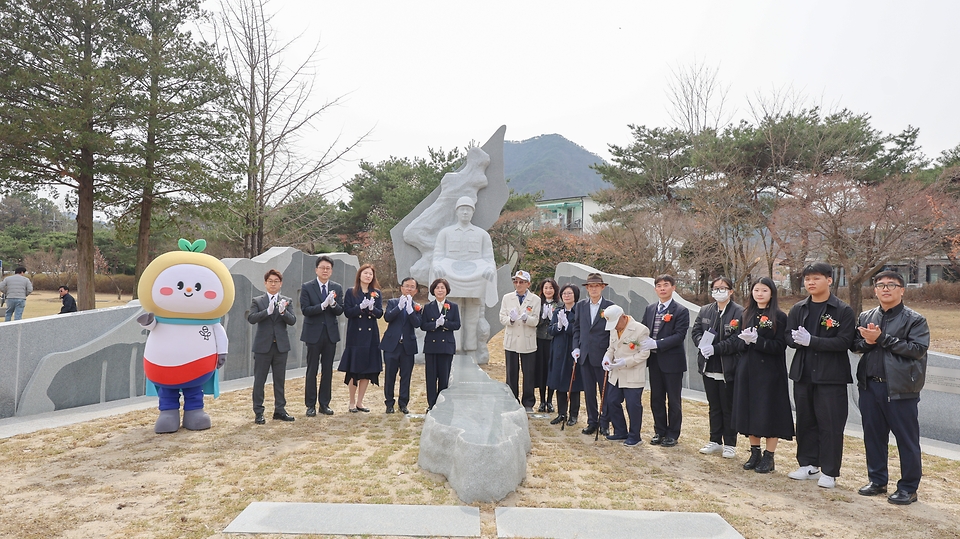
721, 295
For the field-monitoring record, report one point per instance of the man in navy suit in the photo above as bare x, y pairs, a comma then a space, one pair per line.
321, 302
272, 314
399, 344
590, 342
668, 322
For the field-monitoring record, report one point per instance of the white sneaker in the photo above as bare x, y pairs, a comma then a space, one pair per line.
729, 452
826, 481
805, 472
711, 448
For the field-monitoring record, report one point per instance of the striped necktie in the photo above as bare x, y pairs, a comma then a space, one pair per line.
657, 320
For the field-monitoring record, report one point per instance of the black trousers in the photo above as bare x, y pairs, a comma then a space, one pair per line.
720, 402
615, 397
437, 373
880, 417
528, 364
263, 363
665, 388
543, 367
574, 403
592, 383
821, 415
319, 358
393, 362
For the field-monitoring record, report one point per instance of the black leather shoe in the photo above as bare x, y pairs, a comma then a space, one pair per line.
325, 410
542, 408
613, 437
362, 409
390, 409
630, 443
559, 419
353, 410
872, 489
311, 412
667, 441
604, 431
591, 429
902, 497
656, 439
283, 416
404, 411
549, 408
259, 419
572, 421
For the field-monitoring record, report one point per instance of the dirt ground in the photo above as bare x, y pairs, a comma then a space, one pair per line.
113, 477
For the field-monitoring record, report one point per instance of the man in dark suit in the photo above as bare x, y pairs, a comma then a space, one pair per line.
272, 314
590, 342
668, 322
321, 302
399, 344
69, 304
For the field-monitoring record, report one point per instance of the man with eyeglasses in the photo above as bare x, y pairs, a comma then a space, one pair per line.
273, 316
519, 314
893, 340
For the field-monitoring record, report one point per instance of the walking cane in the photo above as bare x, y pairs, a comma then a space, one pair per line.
603, 394
573, 374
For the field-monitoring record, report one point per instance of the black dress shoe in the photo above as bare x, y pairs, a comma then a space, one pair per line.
591, 429
549, 408
362, 409
872, 489
389, 409
559, 419
259, 419
613, 437
404, 411
604, 431
902, 497
283, 416
656, 439
311, 412
667, 441
542, 408
353, 410
572, 421
325, 410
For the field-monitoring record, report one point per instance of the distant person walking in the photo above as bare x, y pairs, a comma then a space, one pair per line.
16, 288
69, 304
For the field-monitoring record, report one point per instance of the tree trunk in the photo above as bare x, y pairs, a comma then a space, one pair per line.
86, 289
856, 295
143, 237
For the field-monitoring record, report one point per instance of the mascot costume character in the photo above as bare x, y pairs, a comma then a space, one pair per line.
184, 294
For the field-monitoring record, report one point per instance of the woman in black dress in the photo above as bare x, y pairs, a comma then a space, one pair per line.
761, 406
549, 301
439, 319
562, 364
361, 360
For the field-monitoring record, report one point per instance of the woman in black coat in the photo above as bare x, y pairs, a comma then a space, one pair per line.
562, 364
362, 361
549, 301
439, 319
761, 406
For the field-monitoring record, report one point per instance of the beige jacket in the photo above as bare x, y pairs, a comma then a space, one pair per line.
634, 373
520, 336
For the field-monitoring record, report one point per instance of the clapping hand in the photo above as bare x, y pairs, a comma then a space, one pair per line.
331, 299
402, 302
409, 305
546, 312
748, 335
514, 315
801, 336
440, 320
562, 320
270, 306
282, 305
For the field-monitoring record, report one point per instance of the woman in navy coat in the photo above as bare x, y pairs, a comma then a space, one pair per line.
362, 361
439, 319
561, 362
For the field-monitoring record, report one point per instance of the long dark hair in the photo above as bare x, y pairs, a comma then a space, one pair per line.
772, 308
556, 290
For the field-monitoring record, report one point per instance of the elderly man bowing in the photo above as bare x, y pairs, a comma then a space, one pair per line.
519, 314
626, 364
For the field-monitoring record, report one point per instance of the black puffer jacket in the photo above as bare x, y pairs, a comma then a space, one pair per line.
903, 346
709, 320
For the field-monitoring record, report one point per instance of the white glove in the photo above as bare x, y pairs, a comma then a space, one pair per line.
331, 299
575, 353
514, 315
546, 312
801, 336
562, 319
649, 344
707, 351
440, 320
370, 303
402, 302
748, 335
409, 305
523, 317
270, 305
283, 305
607, 364
619, 363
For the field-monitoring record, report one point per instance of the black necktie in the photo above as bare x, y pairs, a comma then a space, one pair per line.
323, 291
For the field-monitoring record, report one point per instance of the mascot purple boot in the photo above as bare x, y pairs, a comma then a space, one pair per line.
184, 294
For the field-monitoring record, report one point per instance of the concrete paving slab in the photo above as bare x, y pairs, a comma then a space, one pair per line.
596, 524
358, 519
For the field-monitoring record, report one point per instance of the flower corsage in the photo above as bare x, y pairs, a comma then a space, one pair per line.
765, 322
829, 322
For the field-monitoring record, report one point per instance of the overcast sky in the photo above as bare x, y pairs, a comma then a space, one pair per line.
443, 73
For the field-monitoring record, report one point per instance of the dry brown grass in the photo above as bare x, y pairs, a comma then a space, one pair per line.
113, 477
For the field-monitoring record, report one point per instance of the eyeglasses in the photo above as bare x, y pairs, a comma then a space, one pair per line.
721, 289
273, 281
887, 286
